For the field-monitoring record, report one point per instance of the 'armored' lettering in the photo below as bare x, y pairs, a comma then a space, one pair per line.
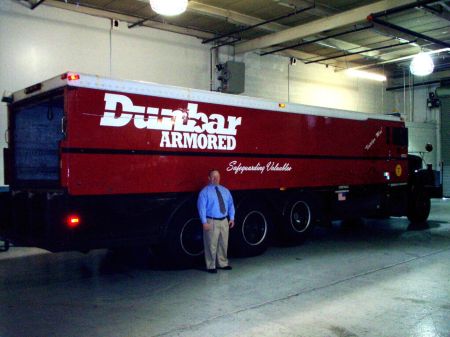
181, 128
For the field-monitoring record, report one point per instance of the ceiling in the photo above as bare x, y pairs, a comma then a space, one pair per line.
378, 35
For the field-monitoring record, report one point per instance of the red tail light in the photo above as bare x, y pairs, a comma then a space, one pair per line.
73, 221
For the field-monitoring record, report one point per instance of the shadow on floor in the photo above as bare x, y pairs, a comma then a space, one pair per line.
57, 267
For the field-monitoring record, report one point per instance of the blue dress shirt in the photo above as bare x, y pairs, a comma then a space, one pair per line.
208, 203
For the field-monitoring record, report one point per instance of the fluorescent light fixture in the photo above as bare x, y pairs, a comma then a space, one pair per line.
421, 65
169, 7
367, 75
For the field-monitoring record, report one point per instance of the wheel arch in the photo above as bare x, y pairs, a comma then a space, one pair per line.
180, 204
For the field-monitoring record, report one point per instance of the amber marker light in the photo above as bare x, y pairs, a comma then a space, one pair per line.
74, 77
70, 76
281, 105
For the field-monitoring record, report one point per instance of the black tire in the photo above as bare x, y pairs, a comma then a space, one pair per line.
418, 207
252, 231
300, 215
183, 242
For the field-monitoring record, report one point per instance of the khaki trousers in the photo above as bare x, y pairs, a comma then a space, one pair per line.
216, 243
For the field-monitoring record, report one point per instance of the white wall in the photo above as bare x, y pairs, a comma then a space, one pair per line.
412, 104
273, 77
39, 44
422, 122
419, 135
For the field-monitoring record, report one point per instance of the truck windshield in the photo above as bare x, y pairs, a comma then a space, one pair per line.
400, 136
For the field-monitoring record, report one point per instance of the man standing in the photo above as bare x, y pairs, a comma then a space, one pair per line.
215, 207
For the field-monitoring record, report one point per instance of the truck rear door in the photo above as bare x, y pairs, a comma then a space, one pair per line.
35, 131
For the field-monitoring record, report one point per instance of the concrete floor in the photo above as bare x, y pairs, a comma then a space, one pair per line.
383, 281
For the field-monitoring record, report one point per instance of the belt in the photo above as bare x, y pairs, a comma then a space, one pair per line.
210, 217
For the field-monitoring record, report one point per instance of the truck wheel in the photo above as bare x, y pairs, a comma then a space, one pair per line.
251, 233
183, 242
418, 207
299, 218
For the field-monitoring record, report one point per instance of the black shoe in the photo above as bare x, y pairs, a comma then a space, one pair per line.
226, 268
212, 271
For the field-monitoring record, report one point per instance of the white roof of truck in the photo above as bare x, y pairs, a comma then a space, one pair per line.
193, 95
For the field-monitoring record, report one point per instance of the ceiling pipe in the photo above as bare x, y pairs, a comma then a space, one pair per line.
346, 18
404, 8
229, 43
407, 31
398, 87
437, 12
258, 24
317, 40
398, 59
138, 23
359, 52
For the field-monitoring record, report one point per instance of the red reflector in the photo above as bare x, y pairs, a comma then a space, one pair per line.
70, 76
73, 221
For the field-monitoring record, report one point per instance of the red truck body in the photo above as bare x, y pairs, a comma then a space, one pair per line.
127, 142
262, 149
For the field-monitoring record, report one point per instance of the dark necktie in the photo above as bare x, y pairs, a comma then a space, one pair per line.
221, 202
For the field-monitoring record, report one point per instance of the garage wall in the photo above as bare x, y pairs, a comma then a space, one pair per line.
412, 105
36, 45
423, 123
445, 141
313, 84
39, 44
419, 135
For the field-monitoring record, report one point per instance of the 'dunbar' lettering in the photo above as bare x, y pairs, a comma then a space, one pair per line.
179, 128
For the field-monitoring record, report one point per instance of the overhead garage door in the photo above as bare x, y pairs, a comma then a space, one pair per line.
445, 143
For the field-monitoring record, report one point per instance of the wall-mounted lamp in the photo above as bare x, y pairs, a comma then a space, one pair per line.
169, 7
421, 65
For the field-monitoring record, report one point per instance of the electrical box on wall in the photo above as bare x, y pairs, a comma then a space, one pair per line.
232, 77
